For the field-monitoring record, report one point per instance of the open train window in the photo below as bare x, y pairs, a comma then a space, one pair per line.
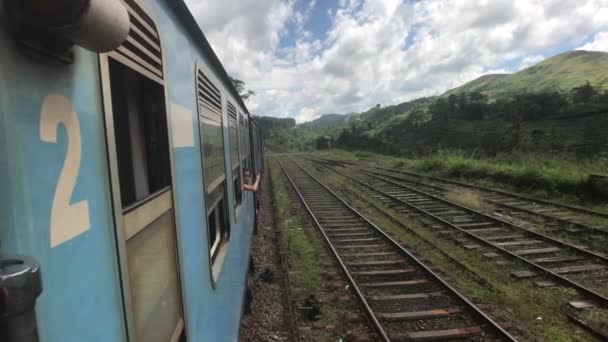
214, 169
140, 170
141, 134
244, 142
235, 157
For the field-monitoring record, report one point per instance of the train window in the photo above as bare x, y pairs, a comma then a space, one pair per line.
214, 168
235, 157
141, 134
140, 170
244, 137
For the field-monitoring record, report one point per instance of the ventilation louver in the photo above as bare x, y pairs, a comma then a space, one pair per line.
208, 97
141, 51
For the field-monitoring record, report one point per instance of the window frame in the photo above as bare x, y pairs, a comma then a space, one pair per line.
126, 215
217, 254
236, 170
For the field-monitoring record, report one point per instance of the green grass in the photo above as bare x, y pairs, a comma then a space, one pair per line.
551, 176
300, 250
470, 199
302, 246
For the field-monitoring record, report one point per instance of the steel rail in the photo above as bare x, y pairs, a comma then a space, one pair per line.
501, 192
582, 289
491, 323
496, 220
504, 205
367, 308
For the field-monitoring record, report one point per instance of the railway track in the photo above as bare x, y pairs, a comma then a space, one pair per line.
584, 224
401, 297
543, 259
555, 219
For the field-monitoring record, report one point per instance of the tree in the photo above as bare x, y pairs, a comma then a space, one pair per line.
240, 88
583, 93
440, 109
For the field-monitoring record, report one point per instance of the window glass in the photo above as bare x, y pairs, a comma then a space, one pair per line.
155, 290
213, 152
140, 126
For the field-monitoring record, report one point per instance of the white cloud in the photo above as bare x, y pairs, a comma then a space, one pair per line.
363, 60
599, 43
530, 60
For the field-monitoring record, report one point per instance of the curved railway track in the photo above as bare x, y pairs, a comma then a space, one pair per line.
401, 297
547, 260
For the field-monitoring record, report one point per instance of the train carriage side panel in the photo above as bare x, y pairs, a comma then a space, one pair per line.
212, 312
55, 204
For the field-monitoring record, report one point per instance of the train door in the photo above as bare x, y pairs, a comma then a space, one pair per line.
133, 87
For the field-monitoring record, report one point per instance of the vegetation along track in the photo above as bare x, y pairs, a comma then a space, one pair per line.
546, 260
402, 298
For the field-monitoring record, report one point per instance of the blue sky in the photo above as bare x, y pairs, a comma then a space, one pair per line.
306, 58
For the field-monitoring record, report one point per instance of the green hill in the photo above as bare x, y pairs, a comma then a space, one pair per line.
558, 105
558, 73
326, 121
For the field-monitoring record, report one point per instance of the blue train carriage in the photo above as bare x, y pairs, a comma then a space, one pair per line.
124, 148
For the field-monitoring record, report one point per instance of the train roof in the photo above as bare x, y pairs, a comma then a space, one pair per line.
190, 23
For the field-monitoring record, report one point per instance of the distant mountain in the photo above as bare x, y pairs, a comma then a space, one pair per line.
574, 119
326, 121
561, 73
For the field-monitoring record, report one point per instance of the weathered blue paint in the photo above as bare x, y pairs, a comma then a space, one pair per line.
213, 314
81, 300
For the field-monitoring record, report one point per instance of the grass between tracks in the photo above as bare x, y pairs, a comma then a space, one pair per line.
542, 175
537, 314
302, 248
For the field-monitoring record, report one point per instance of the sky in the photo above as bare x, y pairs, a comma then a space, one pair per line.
307, 58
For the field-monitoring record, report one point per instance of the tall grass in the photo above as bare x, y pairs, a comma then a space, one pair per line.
470, 199
550, 173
